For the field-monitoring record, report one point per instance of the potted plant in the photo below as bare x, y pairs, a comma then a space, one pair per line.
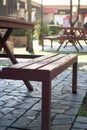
19, 37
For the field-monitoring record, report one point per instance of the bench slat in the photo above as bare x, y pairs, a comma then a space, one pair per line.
59, 63
29, 62
45, 62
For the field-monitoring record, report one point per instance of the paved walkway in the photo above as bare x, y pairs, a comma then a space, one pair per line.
68, 48
47, 47
21, 110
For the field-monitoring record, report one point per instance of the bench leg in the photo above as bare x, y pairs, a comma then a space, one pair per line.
46, 105
74, 78
42, 43
51, 43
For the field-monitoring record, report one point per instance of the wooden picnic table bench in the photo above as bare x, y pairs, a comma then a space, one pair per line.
51, 38
74, 35
69, 35
43, 69
9, 24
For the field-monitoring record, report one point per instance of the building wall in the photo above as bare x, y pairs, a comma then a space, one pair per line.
2, 9
48, 18
62, 15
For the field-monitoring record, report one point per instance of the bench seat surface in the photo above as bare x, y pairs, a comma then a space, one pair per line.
42, 66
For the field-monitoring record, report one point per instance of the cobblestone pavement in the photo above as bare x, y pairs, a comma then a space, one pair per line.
68, 48
21, 110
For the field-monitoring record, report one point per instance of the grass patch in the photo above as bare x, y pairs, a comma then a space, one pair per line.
83, 109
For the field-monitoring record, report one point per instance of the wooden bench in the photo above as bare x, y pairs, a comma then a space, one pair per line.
61, 40
44, 69
51, 38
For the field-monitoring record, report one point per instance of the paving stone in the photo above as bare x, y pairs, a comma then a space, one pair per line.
5, 122
22, 123
75, 97
24, 106
63, 119
70, 103
37, 107
2, 128
1, 115
18, 112
81, 122
80, 125
35, 128
35, 123
78, 129
81, 119
5, 97
60, 127
9, 117
31, 113
6, 110
57, 105
12, 129
72, 111
1, 103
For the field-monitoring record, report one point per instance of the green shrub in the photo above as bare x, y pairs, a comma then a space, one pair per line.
19, 32
53, 29
40, 30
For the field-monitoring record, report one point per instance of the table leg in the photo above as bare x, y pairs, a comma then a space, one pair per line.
61, 43
74, 78
66, 43
74, 44
79, 44
85, 42
11, 56
46, 105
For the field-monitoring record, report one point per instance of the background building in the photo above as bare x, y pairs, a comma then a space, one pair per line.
18, 9
57, 13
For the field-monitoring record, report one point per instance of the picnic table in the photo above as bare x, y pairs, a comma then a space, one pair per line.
68, 35
42, 68
9, 24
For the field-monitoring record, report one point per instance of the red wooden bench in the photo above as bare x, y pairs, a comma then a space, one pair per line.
51, 38
44, 69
